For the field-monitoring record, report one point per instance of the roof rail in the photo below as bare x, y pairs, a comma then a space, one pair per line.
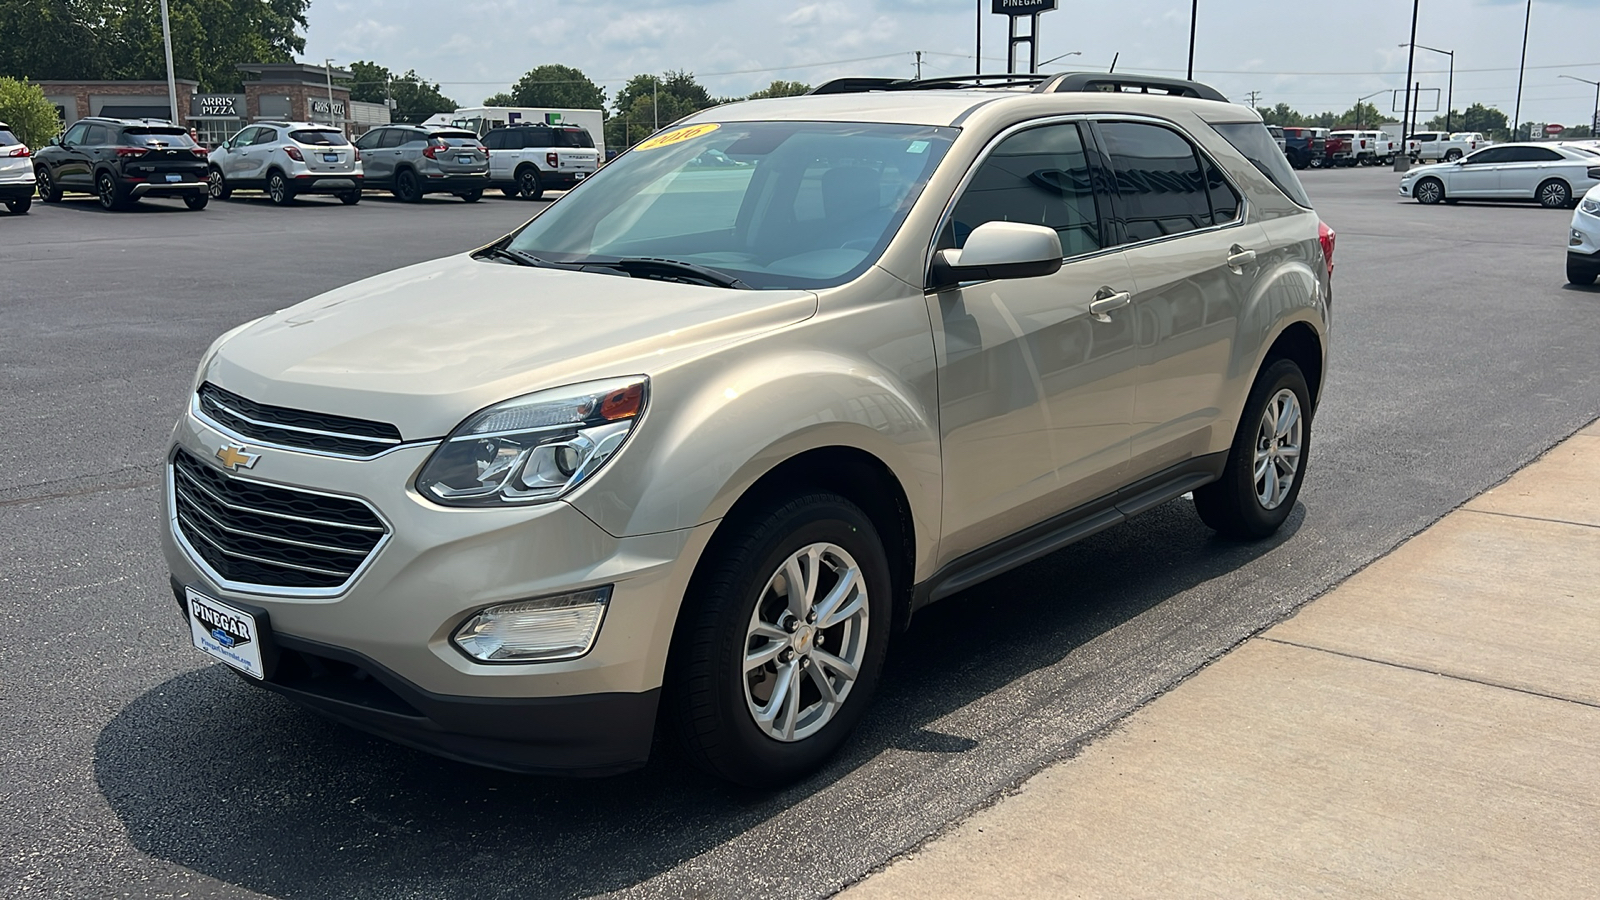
1067, 82
1040, 83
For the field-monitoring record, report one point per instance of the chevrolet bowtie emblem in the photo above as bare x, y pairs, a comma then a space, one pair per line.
235, 458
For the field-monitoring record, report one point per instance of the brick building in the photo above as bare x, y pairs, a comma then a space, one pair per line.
118, 99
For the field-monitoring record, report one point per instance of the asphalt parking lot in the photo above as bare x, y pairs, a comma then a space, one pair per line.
131, 767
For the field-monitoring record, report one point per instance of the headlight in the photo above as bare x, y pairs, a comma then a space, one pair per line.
534, 448
1592, 207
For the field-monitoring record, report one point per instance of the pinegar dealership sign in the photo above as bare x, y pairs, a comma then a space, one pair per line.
1022, 7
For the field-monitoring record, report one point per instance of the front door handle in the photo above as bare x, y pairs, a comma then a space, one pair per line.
1105, 300
1239, 257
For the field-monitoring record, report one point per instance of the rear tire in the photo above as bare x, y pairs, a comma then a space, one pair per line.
350, 198
1579, 274
1428, 191
1271, 447
472, 196
529, 185
278, 189
748, 679
1452, 156
111, 194
406, 186
20, 206
197, 201
1315, 162
510, 192
1554, 194
45, 184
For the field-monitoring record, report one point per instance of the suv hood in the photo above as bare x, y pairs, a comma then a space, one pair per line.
425, 346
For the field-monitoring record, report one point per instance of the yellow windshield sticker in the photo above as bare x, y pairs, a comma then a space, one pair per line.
678, 136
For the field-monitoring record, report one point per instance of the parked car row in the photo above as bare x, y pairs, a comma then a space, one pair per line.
125, 160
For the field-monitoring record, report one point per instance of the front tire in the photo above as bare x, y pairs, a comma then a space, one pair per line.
1429, 191
1554, 194
781, 640
1579, 274
406, 187
1267, 463
45, 184
216, 185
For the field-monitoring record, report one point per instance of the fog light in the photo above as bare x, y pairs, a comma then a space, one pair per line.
1577, 237
542, 630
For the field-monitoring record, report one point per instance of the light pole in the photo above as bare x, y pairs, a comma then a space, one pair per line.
1194, 12
1594, 121
1361, 100
1402, 161
1450, 89
172, 81
327, 67
1516, 115
1062, 56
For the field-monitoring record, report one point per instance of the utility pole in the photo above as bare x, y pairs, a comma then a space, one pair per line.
1516, 116
919, 65
1194, 12
655, 101
977, 53
1402, 162
172, 81
1255, 99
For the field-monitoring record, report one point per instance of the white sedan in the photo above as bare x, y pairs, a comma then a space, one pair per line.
1551, 174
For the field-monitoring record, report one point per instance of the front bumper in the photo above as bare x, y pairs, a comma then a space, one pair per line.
1584, 238
387, 632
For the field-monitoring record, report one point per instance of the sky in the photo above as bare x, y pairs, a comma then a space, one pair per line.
1313, 56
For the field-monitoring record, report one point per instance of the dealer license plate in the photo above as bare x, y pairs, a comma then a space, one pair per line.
174, 177
464, 160
226, 633
579, 176
330, 157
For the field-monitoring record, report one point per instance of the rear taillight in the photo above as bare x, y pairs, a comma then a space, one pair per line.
552, 160
484, 150
20, 151
198, 151
1327, 236
294, 154
431, 151
357, 156
131, 152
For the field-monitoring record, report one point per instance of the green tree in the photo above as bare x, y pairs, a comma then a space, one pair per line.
781, 89
1281, 115
23, 106
415, 99
121, 39
1487, 119
559, 86
500, 99
647, 102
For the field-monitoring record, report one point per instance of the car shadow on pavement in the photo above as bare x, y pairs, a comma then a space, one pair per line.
239, 785
154, 205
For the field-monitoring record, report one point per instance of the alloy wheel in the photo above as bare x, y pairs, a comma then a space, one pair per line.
106, 188
1430, 192
1553, 195
1278, 441
214, 184
806, 642
277, 189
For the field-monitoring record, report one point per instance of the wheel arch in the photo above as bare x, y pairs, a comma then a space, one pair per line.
1302, 345
1571, 193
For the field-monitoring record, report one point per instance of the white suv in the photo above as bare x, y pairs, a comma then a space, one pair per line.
287, 159
16, 172
692, 445
527, 160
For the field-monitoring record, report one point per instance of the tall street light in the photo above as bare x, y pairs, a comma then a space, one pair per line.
1402, 161
1194, 12
1062, 56
1516, 115
1361, 100
1594, 122
1450, 91
172, 82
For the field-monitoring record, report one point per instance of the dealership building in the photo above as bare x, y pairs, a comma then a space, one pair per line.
293, 91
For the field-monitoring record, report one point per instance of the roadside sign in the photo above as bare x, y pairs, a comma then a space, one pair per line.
1021, 7
1554, 128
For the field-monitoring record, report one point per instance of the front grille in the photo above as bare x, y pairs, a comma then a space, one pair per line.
257, 534
296, 428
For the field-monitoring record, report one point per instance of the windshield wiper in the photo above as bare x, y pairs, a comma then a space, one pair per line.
518, 257
646, 266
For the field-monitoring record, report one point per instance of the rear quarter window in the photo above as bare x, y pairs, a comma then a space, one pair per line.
1255, 144
7, 138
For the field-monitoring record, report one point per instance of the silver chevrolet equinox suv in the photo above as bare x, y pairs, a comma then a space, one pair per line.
691, 446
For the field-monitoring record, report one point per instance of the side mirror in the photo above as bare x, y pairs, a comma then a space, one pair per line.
996, 250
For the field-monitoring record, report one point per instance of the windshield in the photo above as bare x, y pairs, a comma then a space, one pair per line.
798, 205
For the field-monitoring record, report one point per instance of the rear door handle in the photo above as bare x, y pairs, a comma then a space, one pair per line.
1105, 300
1239, 257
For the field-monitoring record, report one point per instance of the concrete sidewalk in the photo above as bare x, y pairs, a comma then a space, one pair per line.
1429, 728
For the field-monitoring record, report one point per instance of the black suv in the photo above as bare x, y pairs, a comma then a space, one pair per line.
123, 161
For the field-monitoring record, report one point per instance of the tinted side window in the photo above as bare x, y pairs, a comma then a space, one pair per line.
1252, 141
1159, 186
98, 136
370, 140
495, 140
75, 134
1533, 154
536, 138
392, 137
1040, 176
1491, 155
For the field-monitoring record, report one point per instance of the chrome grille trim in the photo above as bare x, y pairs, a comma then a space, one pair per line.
219, 409
212, 544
